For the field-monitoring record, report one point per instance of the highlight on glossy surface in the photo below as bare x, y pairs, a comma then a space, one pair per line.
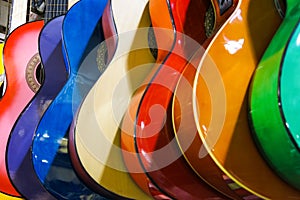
273, 100
183, 122
163, 45
18, 92
230, 145
96, 126
154, 141
49, 149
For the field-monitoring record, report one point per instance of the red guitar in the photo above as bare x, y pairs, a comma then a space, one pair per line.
21, 61
146, 128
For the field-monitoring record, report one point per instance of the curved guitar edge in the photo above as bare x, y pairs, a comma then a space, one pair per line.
20, 167
183, 124
160, 17
75, 53
80, 170
100, 97
18, 92
267, 105
164, 176
49, 150
110, 33
235, 136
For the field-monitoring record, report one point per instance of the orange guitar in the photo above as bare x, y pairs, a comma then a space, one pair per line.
146, 129
216, 107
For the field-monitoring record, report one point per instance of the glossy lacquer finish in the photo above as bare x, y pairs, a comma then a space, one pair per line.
211, 83
19, 164
223, 126
19, 48
49, 149
185, 128
164, 45
96, 127
109, 31
3, 196
274, 98
153, 134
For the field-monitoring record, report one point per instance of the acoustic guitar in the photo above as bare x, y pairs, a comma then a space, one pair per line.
211, 81
273, 101
163, 44
96, 134
18, 152
146, 129
219, 103
18, 63
23, 128
2, 195
50, 156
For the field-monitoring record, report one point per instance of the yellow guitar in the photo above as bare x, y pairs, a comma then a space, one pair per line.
96, 133
211, 121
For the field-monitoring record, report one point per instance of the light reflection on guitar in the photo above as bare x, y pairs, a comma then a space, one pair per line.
151, 137
96, 133
50, 156
221, 120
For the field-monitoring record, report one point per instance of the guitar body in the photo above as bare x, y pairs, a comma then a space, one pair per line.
95, 133
50, 156
150, 115
219, 107
17, 63
3, 196
164, 45
275, 100
19, 164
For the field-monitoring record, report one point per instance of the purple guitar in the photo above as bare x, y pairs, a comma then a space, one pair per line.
19, 164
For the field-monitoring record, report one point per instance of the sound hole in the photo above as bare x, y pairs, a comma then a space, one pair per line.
209, 22
34, 73
102, 57
40, 74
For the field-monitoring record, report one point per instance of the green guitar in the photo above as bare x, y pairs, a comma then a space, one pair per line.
275, 102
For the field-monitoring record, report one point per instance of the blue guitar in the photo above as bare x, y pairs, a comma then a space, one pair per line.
82, 34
